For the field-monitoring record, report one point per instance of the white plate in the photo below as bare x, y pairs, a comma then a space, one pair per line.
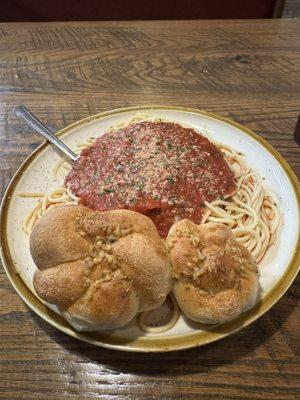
277, 271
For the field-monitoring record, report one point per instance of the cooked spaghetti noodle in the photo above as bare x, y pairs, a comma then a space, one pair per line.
251, 212
162, 328
60, 195
56, 197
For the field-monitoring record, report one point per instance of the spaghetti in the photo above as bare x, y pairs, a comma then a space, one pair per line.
56, 197
163, 328
251, 212
60, 195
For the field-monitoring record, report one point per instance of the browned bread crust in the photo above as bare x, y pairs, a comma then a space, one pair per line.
215, 276
99, 268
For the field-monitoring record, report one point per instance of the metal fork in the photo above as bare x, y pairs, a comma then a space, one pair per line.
31, 120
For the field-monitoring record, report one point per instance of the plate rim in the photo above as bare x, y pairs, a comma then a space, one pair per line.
150, 344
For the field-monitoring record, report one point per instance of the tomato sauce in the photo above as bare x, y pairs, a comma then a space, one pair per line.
160, 169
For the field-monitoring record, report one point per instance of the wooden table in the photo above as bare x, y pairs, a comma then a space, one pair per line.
248, 71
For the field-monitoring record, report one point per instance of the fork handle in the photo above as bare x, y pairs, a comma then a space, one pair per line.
31, 120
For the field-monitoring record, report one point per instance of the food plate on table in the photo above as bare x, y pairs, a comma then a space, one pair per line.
259, 173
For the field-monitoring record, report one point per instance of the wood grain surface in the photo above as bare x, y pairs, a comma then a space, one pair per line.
246, 70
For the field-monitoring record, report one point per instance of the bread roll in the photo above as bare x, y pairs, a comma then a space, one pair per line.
215, 276
99, 268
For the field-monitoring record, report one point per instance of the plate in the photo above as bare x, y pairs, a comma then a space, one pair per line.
277, 271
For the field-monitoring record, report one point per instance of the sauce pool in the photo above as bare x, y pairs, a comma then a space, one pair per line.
160, 169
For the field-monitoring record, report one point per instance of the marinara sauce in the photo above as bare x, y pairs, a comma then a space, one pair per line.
160, 169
